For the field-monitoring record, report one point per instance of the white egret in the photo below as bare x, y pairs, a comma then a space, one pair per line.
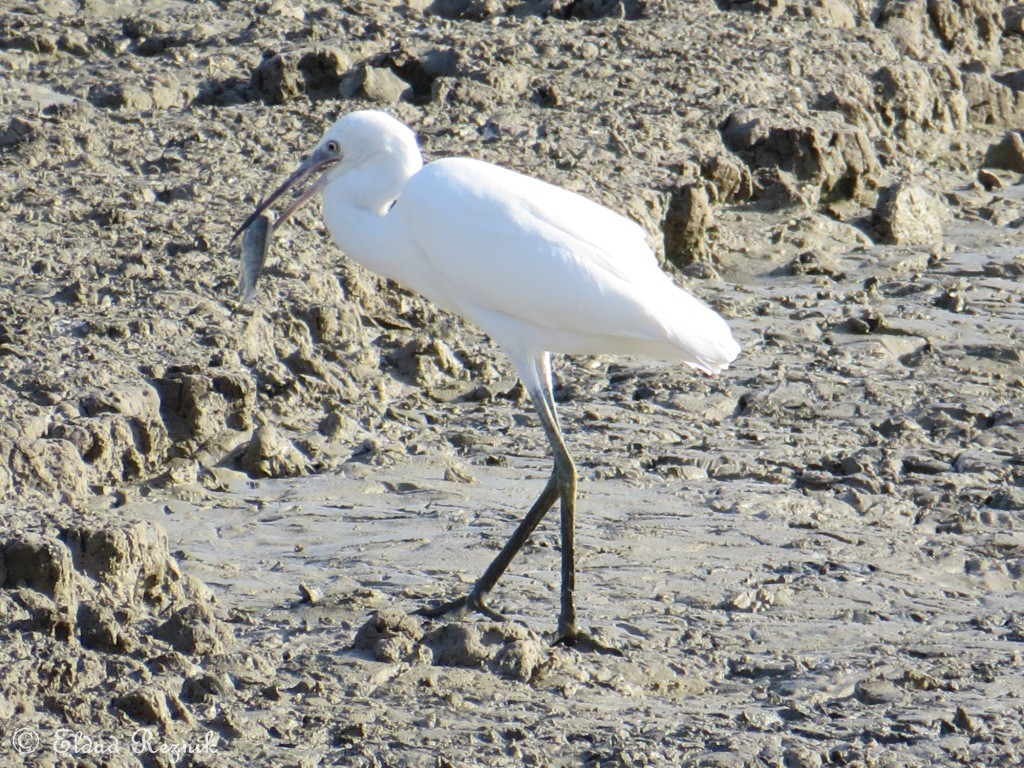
539, 269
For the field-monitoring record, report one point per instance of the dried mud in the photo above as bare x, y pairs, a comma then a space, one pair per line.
217, 520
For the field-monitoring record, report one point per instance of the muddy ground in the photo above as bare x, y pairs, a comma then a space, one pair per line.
217, 520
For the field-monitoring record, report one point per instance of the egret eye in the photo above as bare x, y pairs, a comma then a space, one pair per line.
332, 146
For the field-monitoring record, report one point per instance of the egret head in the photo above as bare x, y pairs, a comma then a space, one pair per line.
352, 141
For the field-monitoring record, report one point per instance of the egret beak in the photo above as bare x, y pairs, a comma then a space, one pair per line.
320, 159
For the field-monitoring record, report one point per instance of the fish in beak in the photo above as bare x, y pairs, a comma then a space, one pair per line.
257, 228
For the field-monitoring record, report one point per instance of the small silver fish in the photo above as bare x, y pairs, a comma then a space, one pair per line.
255, 246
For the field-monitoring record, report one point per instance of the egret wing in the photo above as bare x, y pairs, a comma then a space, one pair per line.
499, 244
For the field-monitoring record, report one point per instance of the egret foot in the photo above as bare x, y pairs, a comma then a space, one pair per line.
583, 641
470, 603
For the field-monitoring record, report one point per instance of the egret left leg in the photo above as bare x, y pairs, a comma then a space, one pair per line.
474, 601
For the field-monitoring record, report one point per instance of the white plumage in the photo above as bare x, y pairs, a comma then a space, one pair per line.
536, 267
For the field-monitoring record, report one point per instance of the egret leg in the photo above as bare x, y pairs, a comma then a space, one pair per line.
537, 377
564, 475
562, 486
474, 601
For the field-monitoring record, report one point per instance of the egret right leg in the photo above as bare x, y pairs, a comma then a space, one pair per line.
475, 600
537, 377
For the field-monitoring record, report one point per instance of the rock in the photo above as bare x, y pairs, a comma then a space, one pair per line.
991, 102
834, 157
912, 100
1013, 19
687, 219
1007, 153
271, 454
42, 564
907, 215
195, 631
378, 84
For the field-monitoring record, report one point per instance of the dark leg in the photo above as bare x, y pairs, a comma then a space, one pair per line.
565, 479
537, 378
568, 632
561, 485
474, 601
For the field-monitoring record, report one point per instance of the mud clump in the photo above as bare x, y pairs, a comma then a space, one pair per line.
194, 631
833, 160
390, 635
41, 564
86, 600
98, 572
1008, 153
687, 220
507, 649
270, 454
907, 215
